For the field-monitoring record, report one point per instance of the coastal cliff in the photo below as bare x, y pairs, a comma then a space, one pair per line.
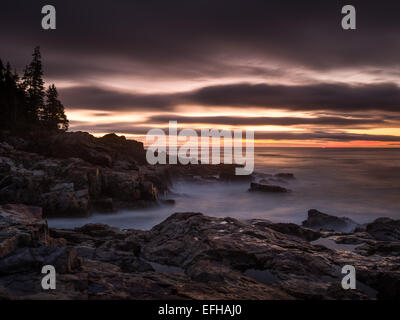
74, 173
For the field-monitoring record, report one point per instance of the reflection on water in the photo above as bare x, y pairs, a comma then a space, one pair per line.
362, 184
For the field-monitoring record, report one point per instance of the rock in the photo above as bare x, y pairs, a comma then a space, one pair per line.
267, 188
354, 239
216, 250
108, 266
69, 174
63, 187
64, 260
381, 248
122, 185
287, 176
318, 220
274, 180
21, 213
222, 172
21, 226
228, 173
295, 230
102, 231
187, 256
5, 146
73, 186
65, 203
103, 205
102, 151
384, 229
124, 150
149, 191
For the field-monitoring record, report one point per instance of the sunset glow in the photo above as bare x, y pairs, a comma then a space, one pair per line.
312, 84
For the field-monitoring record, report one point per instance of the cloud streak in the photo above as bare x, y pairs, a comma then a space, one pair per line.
127, 128
336, 97
201, 38
135, 58
266, 121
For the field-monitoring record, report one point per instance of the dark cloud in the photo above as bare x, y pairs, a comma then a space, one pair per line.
240, 41
101, 114
95, 98
265, 121
323, 96
170, 38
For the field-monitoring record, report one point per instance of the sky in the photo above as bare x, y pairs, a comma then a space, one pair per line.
285, 69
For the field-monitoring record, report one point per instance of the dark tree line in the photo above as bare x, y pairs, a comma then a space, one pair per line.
25, 104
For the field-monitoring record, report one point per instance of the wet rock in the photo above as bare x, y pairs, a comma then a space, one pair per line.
228, 173
318, 220
61, 203
219, 250
267, 188
286, 176
384, 229
187, 256
222, 172
295, 230
102, 231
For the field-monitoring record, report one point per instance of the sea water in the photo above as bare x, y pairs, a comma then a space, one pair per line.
362, 184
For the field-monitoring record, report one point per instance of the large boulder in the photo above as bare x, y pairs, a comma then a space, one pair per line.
322, 221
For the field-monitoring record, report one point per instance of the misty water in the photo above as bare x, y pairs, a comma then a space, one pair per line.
362, 184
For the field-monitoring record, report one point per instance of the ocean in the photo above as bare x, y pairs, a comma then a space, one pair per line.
362, 184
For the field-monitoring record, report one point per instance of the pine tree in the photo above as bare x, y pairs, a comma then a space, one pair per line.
53, 115
34, 86
22, 107
10, 97
1, 72
3, 113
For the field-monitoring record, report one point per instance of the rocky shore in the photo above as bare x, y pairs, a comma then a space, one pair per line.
192, 256
74, 173
187, 256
